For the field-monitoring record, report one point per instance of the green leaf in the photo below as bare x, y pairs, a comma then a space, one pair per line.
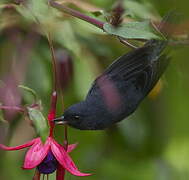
141, 10
39, 122
133, 30
31, 91
66, 37
97, 13
41, 13
4, 126
2, 120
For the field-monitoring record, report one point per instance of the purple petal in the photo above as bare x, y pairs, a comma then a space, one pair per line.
48, 165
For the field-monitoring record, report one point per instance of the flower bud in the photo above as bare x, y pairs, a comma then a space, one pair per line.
64, 68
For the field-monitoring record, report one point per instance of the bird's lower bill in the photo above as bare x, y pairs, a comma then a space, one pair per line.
60, 121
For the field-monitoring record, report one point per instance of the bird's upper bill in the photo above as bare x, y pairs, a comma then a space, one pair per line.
60, 120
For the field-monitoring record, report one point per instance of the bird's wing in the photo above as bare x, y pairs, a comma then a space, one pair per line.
137, 63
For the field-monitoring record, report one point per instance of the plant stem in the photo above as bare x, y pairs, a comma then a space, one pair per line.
60, 173
77, 14
55, 81
37, 175
52, 112
65, 137
15, 108
65, 127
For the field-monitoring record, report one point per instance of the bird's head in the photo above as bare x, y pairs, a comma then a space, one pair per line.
76, 116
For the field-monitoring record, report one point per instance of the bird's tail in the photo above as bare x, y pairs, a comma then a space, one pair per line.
167, 30
158, 58
158, 61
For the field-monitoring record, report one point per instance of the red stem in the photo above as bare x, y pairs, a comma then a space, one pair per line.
65, 127
36, 175
77, 14
60, 173
53, 63
66, 137
52, 112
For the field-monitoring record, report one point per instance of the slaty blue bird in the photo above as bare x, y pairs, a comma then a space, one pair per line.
120, 89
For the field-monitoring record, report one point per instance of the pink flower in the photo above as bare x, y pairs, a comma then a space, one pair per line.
48, 157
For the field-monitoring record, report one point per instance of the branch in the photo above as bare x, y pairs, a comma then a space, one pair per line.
76, 14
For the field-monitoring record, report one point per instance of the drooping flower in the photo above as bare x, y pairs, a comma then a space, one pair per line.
48, 157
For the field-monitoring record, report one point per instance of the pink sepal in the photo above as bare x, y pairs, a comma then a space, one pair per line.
64, 159
71, 147
28, 144
36, 153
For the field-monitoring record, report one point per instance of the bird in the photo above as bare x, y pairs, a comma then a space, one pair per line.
120, 89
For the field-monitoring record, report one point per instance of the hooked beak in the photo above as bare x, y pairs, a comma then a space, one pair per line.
60, 120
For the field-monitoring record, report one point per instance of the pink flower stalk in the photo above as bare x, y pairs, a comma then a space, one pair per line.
50, 156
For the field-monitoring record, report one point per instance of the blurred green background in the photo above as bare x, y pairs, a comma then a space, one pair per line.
152, 144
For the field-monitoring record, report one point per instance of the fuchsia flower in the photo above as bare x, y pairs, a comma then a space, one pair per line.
48, 157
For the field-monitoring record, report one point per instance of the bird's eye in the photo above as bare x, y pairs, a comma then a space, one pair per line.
76, 117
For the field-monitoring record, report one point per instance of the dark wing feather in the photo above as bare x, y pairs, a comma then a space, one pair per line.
145, 63
127, 62
158, 68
